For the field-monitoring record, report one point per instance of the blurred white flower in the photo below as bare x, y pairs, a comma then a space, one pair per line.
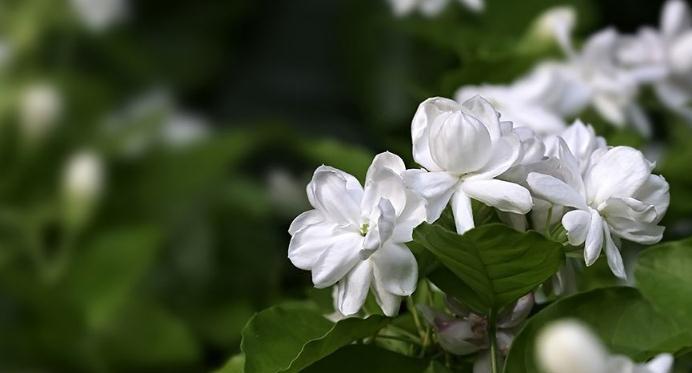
464, 148
285, 191
570, 347
82, 185
355, 236
613, 196
41, 106
614, 90
182, 129
664, 57
99, 15
430, 8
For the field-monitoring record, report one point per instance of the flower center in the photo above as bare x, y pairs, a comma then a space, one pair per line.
364, 229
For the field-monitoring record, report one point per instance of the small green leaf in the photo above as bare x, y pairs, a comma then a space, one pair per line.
663, 277
288, 339
498, 264
622, 318
234, 365
368, 358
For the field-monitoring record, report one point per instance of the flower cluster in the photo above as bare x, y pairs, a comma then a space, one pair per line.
355, 236
606, 74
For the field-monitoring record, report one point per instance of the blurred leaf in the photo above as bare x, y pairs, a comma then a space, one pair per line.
283, 339
145, 334
235, 364
349, 158
620, 316
103, 275
368, 358
663, 276
498, 264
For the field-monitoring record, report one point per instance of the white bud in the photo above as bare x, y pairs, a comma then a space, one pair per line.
556, 24
82, 185
98, 15
40, 109
570, 347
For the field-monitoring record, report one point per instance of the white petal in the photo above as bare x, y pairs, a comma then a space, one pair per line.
353, 289
635, 231
594, 239
336, 261
309, 243
620, 172
629, 208
459, 143
395, 269
662, 363
412, 216
305, 220
427, 112
387, 220
385, 160
388, 302
502, 195
613, 254
655, 192
463, 213
481, 109
554, 190
435, 187
505, 153
383, 184
577, 224
336, 194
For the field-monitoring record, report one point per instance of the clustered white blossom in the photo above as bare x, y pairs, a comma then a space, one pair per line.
570, 347
606, 74
355, 236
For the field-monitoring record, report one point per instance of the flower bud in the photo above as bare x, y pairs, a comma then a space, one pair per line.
555, 25
82, 186
40, 108
569, 347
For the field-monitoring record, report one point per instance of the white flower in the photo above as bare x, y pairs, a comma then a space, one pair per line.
464, 147
355, 236
98, 15
430, 8
40, 109
664, 57
82, 185
614, 197
570, 347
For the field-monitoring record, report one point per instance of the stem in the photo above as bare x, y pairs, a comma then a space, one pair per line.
547, 221
493, 342
416, 318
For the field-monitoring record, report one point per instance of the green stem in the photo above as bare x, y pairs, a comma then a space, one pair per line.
493, 341
547, 221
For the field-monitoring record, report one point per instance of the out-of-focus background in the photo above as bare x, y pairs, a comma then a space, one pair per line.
153, 154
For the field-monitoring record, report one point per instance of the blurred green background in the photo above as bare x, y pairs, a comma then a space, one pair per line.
201, 123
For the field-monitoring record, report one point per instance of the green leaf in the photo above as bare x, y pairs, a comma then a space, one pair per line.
663, 277
498, 264
622, 318
368, 358
288, 339
234, 365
